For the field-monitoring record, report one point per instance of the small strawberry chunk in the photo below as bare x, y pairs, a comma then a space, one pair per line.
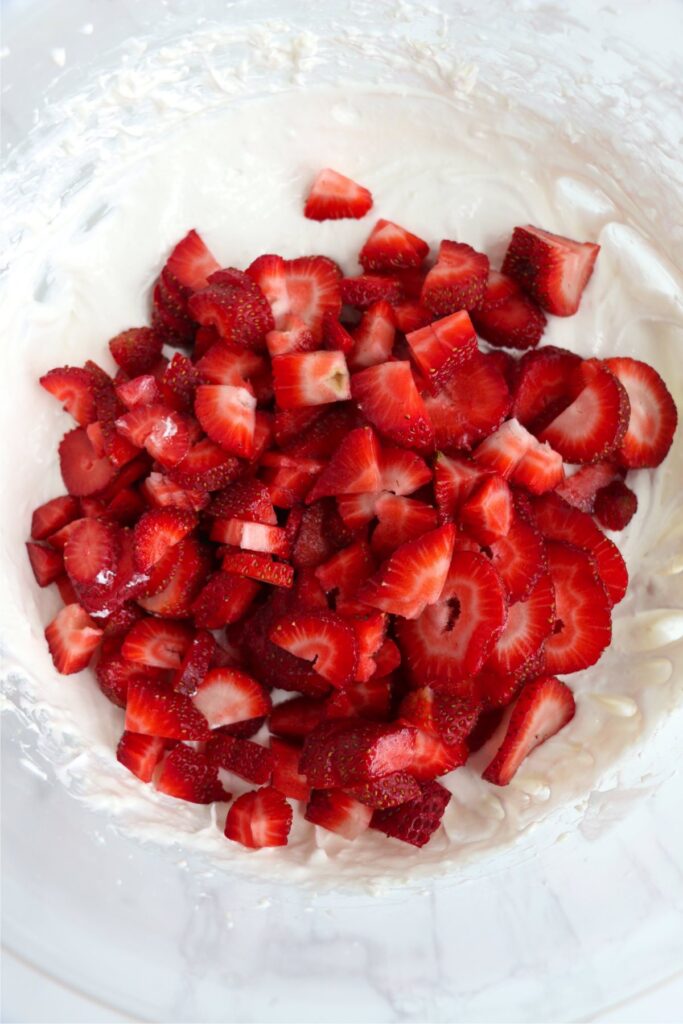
615, 505
83, 471
296, 717
442, 347
187, 775
158, 530
286, 776
338, 812
353, 469
191, 263
344, 572
206, 467
402, 472
258, 566
455, 478
432, 757
653, 416
72, 637
225, 598
156, 643
195, 664
472, 404
414, 822
553, 269
400, 520
367, 289
259, 819
242, 757
539, 470
136, 350
234, 305
227, 414
160, 430
323, 639
53, 515
519, 557
506, 316
75, 389
487, 513
389, 398
373, 338
140, 754
141, 390
46, 563
503, 450
541, 385
335, 335
389, 246
345, 752
310, 378
414, 576
390, 791
333, 196
449, 716
227, 696
581, 487
156, 711
457, 280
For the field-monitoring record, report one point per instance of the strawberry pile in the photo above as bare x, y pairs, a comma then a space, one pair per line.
332, 489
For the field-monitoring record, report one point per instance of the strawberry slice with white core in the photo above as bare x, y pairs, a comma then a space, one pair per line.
156, 711
503, 450
593, 426
91, 553
357, 510
389, 398
528, 625
310, 378
324, 640
142, 390
227, 414
259, 819
472, 404
353, 469
191, 263
227, 696
414, 576
540, 469
308, 287
653, 416
432, 757
487, 513
161, 492
157, 643
543, 708
457, 280
390, 246
552, 269
400, 520
333, 196
338, 812
72, 638
455, 477
442, 347
373, 338
83, 471
347, 569
251, 536
220, 365
160, 430
401, 471
295, 336
158, 530
452, 639
140, 754
74, 387
583, 627
519, 557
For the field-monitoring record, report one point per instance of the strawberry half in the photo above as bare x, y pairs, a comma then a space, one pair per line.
74, 387
227, 696
553, 269
416, 821
472, 404
583, 626
457, 280
528, 625
442, 347
155, 711
594, 424
353, 469
346, 752
543, 708
333, 196
390, 246
389, 398
259, 819
324, 640
338, 812
187, 775
72, 638
310, 378
414, 576
653, 416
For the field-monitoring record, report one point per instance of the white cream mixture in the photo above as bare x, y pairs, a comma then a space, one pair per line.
238, 173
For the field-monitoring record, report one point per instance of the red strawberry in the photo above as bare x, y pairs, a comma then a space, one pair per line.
539, 470
126, 507
286, 776
554, 270
335, 335
433, 757
47, 564
227, 415
206, 467
593, 425
53, 515
156, 643
155, 711
457, 280
296, 717
369, 699
136, 350
373, 337
334, 196
191, 263
389, 399
220, 365
400, 520
326, 434
506, 316
503, 450
251, 536
338, 812
83, 471
269, 273
581, 487
583, 626
442, 347
414, 576
559, 521
519, 557
187, 775
615, 505
160, 430
401, 471
227, 696
107, 441
353, 469
323, 639
653, 416
142, 390
387, 659
472, 404
288, 485
541, 385
308, 288
158, 530
455, 478
345, 752
310, 378
178, 383
160, 491
307, 592
195, 664
416, 821
114, 673
410, 315
367, 289
370, 631
75, 389
223, 599
390, 791
487, 512
356, 510
449, 716
140, 754
168, 320
290, 424
242, 757
452, 639
295, 336
72, 637
528, 625
258, 566
389, 246
543, 708
344, 572
236, 308
190, 569
258, 819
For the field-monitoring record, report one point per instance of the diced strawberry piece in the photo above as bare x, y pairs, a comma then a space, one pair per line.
326, 434
543, 708
234, 305
156, 643
503, 450
400, 520
242, 757
140, 754
227, 696
158, 530
581, 487
72, 637
307, 592
160, 430
370, 698
141, 390
554, 270
487, 513
389, 246
559, 521
188, 567
126, 507
334, 196
221, 365
251, 536
59, 539
414, 575
269, 273
335, 335
457, 280
338, 812
178, 383
258, 566
195, 664
354, 468
540, 469
387, 659
323, 639
541, 387
286, 777
583, 626
416, 821
593, 425
310, 378
653, 416
519, 557
225, 598
83, 471
106, 440
288, 485
346, 752
75, 389
313, 289
114, 673
47, 564
161, 492
259, 819
402, 472
312, 530
452, 639
290, 424
206, 467
373, 337
227, 414
367, 289
156, 711
370, 631
449, 716
356, 510
433, 757
347, 569
455, 477
390, 791
91, 553
471, 405
615, 505
295, 336
506, 316
528, 625
53, 515
410, 315
389, 398
442, 347
296, 717
136, 350
187, 775
191, 263
127, 476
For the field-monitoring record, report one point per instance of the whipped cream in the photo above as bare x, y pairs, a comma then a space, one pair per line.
449, 161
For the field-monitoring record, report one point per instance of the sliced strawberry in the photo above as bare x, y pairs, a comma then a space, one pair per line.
449, 716
172, 324
334, 196
310, 378
206, 467
289, 485
227, 414
242, 757
472, 404
390, 791
653, 415
141, 390
236, 308
345, 752
258, 566
389, 246
593, 425
251, 536
528, 625
178, 383
225, 598
335, 335
126, 507
389, 398
370, 631
559, 521
195, 664
187, 775
519, 557
307, 592
53, 515
72, 637
442, 347
486, 514
258, 819
312, 529
366, 289
227, 696
541, 385
615, 505
457, 280
156, 711
583, 626
114, 673
539, 470
190, 262
401, 471
323, 639
136, 350
286, 777
354, 468
553, 269
296, 717
47, 564
75, 389
83, 471
140, 754
506, 316
410, 315
294, 336
106, 440
160, 430
414, 576
581, 487
161, 492
373, 337
158, 530
543, 708
416, 821
455, 478
504, 449
433, 757
452, 639
191, 566
221, 365
400, 520
344, 572
269, 273
338, 812
156, 643
356, 510
313, 289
